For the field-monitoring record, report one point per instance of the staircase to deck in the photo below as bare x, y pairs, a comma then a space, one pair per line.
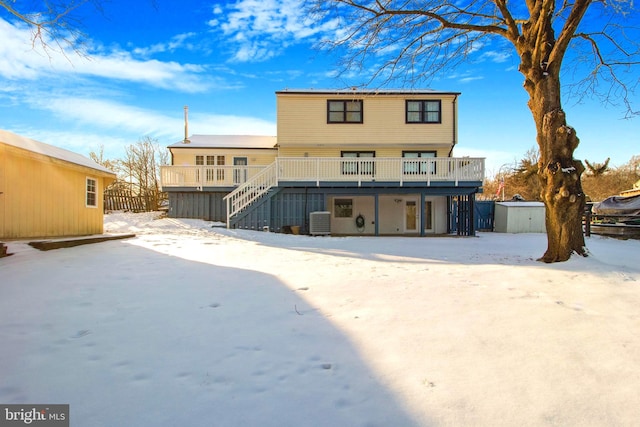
251, 191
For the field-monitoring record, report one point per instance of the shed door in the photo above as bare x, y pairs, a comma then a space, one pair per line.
2, 199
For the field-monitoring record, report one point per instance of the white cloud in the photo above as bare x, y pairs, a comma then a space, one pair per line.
179, 41
259, 30
498, 57
22, 60
111, 115
83, 125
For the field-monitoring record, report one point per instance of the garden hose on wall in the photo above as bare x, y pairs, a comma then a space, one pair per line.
360, 222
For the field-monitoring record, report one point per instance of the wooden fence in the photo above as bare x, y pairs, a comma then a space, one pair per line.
119, 199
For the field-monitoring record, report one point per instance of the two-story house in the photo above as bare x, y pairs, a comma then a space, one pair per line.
373, 162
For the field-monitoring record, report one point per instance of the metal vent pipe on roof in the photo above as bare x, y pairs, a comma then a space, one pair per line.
186, 124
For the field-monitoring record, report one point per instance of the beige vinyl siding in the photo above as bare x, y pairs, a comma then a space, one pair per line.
302, 120
381, 151
256, 157
46, 197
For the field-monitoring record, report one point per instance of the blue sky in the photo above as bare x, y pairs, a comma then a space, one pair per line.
225, 60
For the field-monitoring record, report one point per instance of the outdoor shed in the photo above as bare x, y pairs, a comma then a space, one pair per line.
519, 217
46, 191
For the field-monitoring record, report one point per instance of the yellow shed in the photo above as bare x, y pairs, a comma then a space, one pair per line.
46, 191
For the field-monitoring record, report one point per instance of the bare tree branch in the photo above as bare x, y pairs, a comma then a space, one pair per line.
55, 25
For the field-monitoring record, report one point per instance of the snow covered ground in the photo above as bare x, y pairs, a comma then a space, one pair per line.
189, 325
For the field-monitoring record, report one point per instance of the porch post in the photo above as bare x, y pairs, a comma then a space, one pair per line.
472, 218
422, 219
376, 209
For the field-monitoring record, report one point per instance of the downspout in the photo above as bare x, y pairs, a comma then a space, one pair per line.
455, 129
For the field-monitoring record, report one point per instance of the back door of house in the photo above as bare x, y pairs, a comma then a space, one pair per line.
410, 216
240, 171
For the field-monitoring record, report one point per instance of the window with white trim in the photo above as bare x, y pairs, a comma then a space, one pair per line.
91, 199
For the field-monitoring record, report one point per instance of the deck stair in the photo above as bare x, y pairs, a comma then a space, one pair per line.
252, 190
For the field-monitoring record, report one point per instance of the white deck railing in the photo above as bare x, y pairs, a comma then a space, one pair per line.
331, 169
367, 170
207, 176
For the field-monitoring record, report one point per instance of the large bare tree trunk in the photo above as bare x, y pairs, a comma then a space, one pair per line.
561, 192
558, 171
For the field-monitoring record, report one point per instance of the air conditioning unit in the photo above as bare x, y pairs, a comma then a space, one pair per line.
319, 223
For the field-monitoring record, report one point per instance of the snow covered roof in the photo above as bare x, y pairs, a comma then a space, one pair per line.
361, 91
228, 141
34, 146
521, 204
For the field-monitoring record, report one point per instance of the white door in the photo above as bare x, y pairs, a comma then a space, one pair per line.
240, 170
428, 216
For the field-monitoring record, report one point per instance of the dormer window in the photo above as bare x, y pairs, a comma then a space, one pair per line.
424, 111
344, 111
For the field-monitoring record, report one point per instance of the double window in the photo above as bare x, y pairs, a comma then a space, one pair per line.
358, 162
343, 111
414, 162
92, 193
424, 111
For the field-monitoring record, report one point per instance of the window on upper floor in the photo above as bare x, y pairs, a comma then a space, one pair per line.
424, 111
343, 111
414, 162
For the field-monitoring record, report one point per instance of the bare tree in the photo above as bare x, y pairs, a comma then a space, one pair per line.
597, 169
54, 24
413, 41
100, 159
140, 168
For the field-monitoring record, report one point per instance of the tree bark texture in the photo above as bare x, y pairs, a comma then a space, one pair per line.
561, 192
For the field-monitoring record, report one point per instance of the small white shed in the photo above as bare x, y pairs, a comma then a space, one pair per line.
519, 217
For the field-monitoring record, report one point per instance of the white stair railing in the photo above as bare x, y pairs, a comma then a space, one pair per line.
251, 190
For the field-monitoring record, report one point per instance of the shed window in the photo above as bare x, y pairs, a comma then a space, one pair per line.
424, 111
92, 193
